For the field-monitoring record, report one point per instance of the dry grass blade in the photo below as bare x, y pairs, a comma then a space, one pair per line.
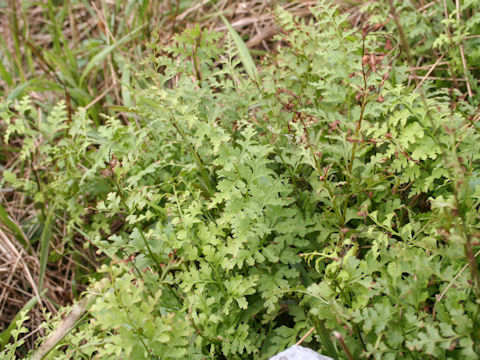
68, 323
440, 78
430, 70
19, 273
441, 296
99, 97
12, 251
243, 22
97, 59
192, 9
267, 32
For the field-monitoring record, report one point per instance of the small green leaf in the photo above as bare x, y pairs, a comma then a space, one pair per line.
5, 335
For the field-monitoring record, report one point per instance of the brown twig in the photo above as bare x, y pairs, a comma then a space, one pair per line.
343, 345
305, 336
440, 297
430, 71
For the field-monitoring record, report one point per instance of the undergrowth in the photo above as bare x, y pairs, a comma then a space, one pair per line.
320, 191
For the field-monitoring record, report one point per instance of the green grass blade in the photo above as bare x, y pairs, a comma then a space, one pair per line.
243, 52
19, 235
105, 52
19, 90
35, 84
4, 74
15, 31
126, 96
44, 247
325, 338
6, 52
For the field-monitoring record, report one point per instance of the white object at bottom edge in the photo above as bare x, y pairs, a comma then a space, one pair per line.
299, 353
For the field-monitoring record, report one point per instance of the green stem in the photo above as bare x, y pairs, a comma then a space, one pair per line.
203, 171
195, 61
147, 245
127, 313
357, 132
14, 28
325, 337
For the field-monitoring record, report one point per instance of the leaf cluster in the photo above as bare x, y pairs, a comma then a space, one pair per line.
237, 212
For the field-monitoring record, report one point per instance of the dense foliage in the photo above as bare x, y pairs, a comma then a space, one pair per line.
318, 191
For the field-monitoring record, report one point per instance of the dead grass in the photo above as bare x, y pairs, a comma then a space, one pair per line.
20, 268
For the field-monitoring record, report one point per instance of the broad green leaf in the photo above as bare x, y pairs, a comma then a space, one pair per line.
19, 235
5, 75
45, 246
126, 97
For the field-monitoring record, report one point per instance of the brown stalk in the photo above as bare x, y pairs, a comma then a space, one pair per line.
305, 336
430, 71
462, 54
343, 345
